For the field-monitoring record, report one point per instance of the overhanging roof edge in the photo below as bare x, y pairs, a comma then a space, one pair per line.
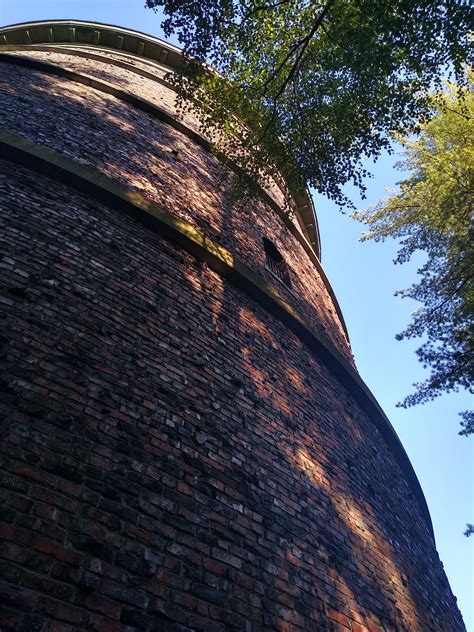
30, 33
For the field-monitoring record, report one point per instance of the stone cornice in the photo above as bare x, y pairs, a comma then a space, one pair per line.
163, 115
91, 181
57, 33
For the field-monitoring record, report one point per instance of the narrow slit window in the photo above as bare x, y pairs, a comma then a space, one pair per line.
275, 262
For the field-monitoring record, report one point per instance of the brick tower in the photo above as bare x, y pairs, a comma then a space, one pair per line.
186, 443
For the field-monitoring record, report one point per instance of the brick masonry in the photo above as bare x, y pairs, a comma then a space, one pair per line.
173, 458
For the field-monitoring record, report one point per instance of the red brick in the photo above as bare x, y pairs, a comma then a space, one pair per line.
211, 451
104, 606
64, 612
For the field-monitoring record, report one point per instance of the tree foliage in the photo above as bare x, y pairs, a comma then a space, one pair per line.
330, 79
306, 88
432, 212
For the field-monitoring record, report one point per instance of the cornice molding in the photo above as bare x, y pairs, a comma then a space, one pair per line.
163, 115
58, 33
63, 169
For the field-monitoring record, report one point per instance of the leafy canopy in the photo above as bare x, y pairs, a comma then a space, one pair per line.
330, 80
307, 88
433, 212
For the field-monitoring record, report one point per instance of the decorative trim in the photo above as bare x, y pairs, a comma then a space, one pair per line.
61, 168
93, 52
163, 115
134, 44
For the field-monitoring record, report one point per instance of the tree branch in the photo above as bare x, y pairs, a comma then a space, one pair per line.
465, 116
304, 43
448, 298
263, 7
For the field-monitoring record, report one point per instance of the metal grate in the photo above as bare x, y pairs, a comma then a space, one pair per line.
275, 262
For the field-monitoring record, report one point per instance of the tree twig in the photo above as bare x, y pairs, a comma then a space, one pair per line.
303, 43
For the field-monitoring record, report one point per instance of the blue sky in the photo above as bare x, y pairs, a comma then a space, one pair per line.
364, 279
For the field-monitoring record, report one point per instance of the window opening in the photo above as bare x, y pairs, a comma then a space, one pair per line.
275, 262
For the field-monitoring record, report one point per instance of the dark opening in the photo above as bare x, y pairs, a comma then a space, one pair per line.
275, 262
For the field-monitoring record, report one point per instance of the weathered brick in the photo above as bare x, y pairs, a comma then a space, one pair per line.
18, 597
175, 457
104, 606
124, 594
64, 612
39, 583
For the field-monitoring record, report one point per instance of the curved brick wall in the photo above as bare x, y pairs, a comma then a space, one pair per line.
174, 457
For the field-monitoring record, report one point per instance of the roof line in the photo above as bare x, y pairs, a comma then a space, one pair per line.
163, 115
109, 191
142, 46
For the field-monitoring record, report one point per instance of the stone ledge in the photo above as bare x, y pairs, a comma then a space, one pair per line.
167, 118
60, 33
44, 160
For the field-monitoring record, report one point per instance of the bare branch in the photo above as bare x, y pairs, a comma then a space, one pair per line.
263, 7
465, 116
303, 43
